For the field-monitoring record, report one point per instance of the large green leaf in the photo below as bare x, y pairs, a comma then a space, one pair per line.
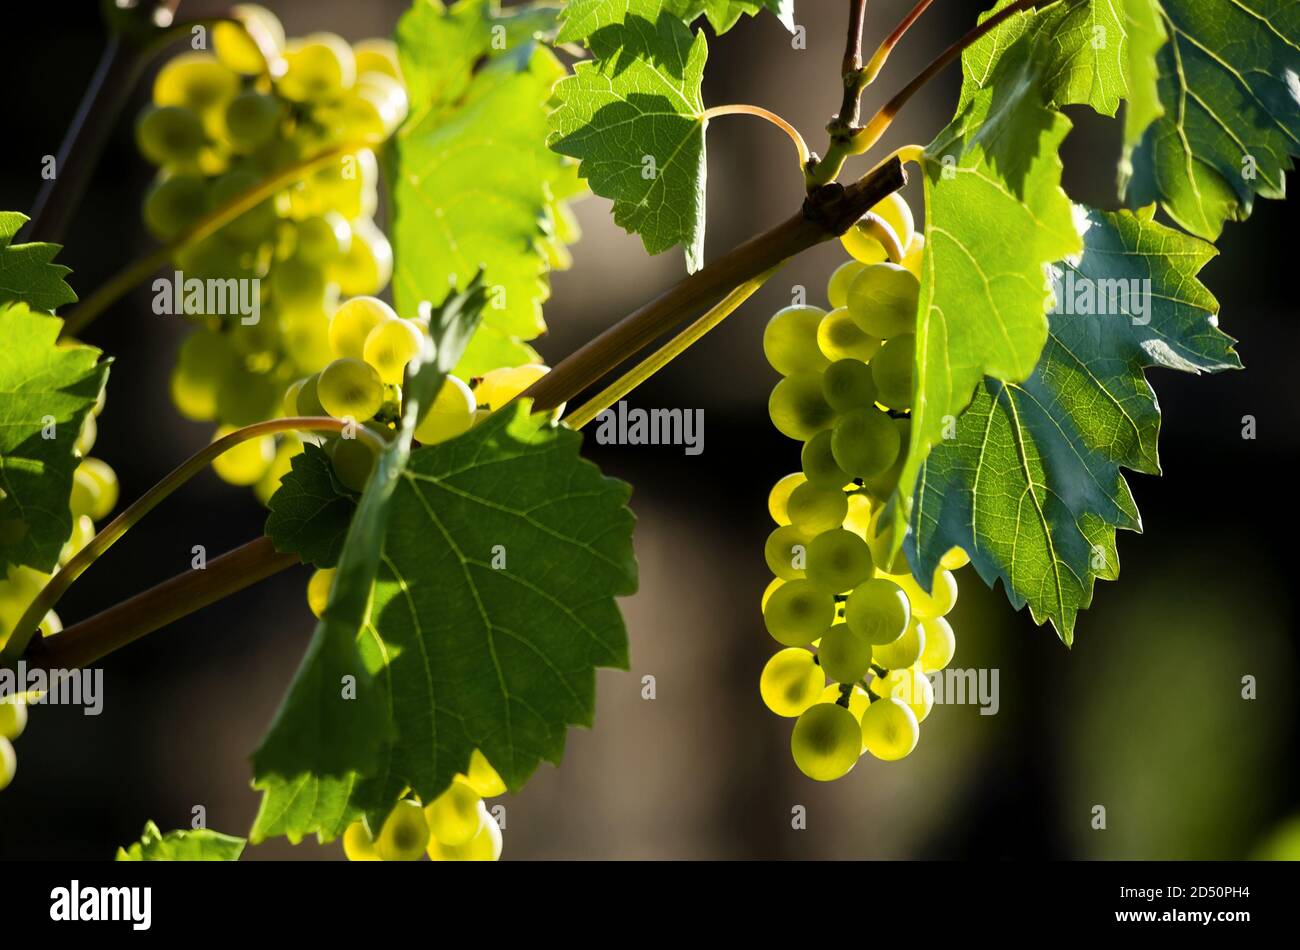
1146, 35
995, 218
48, 389
27, 272
1031, 486
308, 804
474, 183
199, 844
584, 17
635, 120
1229, 85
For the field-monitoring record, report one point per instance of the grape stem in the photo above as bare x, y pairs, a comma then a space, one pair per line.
45, 601
826, 213
81, 315
742, 109
877, 61
102, 103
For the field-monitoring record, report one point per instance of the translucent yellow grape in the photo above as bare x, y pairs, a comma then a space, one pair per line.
878, 611
85, 498
883, 300
451, 414
839, 337
791, 681
106, 479
390, 346
904, 651
769, 590
940, 644
13, 717
457, 815
319, 66
954, 559
350, 388
368, 265
858, 516
798, 613
790, 340
889, 729
318, 589
195, 80
845, 655
941, 599
246, 462
786, 552
484, 846
377, 56
909, 686
779, 497
405, 834
83, 529
826, 742
8, 763
236, 49
814, 509
357, 843
483, 777
837, 289
897, 214
915, 254
862, 246
858, 703
497, 387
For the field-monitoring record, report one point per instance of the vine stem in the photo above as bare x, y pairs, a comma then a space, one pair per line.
81, 315
90, 640
826, 213
744, 109
45, 601
667, 353
877, 61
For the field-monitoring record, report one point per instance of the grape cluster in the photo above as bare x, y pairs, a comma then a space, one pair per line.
846, 393
455, 826
219, 125
94, 495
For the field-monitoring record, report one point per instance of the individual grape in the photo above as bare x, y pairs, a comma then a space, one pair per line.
258, 222
323, 239
290, 445
245, 397
350, 387
170, 135
892, 371
915, 253
863, 248
858, 699
896, 213
814, 510
318, 67
196, 381
839, 337
910, 686
878, 611
405, 833
353, 461
358, 845
844, 654
499, 386
778, 498
954, 559
86, 435
197, 81
797, 613
864, 442
348, 186
252, 120
457, 814
769, 590
786, 552
904, 651
889, 729
482, 777
859, 515
106, 480
246, 462
309, 397
451, 414
847, 385
940, 644
390, 346
790, 341
377, 56
882, 484
51, 625
819, 463
838, 560
352, 322
296, 285
882, 300
938, 602
798, 408
174, 204
85, 497
368, 264
83, 531
8, 763
484, 846
318, 590
13, 717
826, 742
369, 112
837, 289
791, 682
236, 49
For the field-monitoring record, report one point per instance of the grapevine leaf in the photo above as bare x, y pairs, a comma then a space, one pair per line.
199, 844
27, 271
495, 601
1031, 485
1229, 85
308, 804
1146, 35
48, 390
996, 217
333, 720
586, 16
474, 184
311, 510
635, 119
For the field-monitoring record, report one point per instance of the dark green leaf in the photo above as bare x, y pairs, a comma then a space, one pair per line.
199, 844
311, 510
27, 274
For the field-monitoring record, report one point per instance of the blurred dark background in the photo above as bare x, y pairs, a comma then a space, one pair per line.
1144, 715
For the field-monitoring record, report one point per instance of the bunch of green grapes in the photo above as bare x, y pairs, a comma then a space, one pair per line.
455, 826
94, 495
846, 395
219, 124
